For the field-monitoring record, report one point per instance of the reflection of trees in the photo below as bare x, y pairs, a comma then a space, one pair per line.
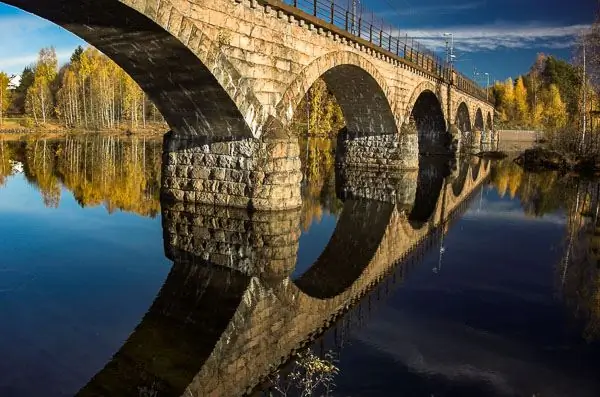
539, 193
40, 161
318, 186
578, 274
119, 173
5, 165
579, 271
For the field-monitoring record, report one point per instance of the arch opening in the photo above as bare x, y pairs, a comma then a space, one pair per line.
428, 118
183, 88
463, 119
469, 137
479, 120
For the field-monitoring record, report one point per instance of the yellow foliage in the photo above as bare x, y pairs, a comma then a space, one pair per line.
521, 106
555, 111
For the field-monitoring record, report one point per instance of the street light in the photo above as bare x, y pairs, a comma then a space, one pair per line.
487, 87
449, 48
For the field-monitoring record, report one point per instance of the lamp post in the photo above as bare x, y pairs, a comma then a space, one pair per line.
449, 47
487, 87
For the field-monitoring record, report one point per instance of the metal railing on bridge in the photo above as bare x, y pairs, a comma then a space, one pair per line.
388, 39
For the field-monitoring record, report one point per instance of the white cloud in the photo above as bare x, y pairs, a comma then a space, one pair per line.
494, 36
23, 35
440, 9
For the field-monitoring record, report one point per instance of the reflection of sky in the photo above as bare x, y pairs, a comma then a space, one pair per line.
492, 207
487, 324
74, 282
313, 241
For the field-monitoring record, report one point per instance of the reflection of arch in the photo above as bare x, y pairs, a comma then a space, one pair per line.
358, 86
463, 119
476, 164
271, 322
429, 120
177, 334
479, 120
356, 238
432, 174
187, 87
459, 183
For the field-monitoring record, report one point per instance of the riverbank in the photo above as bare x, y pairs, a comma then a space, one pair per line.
14, 129
42, 133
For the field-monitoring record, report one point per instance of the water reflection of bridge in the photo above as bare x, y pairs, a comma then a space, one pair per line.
228, 314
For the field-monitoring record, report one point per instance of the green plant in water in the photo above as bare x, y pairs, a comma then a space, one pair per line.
310, 375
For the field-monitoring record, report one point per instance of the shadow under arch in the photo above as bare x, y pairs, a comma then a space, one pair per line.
488, 123
479, 120
463, 118
429, 120
177, 334
186, 92
358, 87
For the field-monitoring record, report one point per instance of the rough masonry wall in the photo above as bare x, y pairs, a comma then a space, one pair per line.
257, 174
263, 244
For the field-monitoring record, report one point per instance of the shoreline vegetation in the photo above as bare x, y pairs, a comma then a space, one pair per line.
563, 100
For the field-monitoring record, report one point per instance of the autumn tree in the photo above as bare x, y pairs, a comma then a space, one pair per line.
319, 111
555, 110
4, 95
95, 93
20, 92
39, 100
521, 105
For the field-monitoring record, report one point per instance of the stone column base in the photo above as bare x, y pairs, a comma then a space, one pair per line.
386, 151
257, 174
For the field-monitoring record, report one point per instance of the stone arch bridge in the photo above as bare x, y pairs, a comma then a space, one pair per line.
229, 313
228, 74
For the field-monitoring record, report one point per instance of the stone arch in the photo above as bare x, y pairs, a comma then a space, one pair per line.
426, 85
489, 125
428, 117
463, 117
479, 120
360, 89
183, 72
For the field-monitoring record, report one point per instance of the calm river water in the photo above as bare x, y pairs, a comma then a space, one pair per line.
506, 302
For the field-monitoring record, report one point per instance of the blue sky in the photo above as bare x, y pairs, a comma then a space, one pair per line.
500, 37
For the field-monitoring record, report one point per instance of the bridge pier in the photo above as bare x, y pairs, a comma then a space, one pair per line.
252, 173
486, 140
385, 151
